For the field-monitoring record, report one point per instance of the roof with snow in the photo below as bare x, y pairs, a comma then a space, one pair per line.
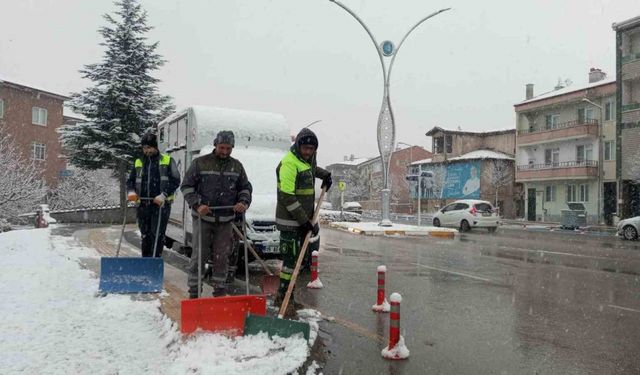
568, 89
626, 24
437, 129
25, 86
473, 155
483, 154
354, 162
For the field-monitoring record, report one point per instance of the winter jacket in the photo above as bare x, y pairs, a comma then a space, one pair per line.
154, 175
296, 188
216, 182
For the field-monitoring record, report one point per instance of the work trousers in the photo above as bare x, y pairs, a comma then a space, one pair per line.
148, 214
217, 242
290, 246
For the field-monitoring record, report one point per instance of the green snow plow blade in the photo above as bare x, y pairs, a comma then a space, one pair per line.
254, 324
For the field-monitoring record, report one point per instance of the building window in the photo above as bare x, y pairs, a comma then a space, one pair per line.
608, 111
552, 156
584, 193
571, 193
38, 151
552, 121
584, 153
578, 193
39, 116
449, 143
162, 135
585, 115
1, 108
610, 150
550, 193
438, 145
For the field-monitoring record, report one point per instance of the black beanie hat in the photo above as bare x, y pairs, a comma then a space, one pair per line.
149, 139
306, 137
226, 137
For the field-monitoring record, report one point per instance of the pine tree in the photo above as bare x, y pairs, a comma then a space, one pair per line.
123, 102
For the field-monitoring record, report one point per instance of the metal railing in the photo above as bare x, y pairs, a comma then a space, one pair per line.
558, 165
564, 125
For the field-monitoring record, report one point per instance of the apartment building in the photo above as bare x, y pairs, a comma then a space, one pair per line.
566, 149
32, 117
628, 115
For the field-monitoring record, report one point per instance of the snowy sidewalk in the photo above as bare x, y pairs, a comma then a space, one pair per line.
53, 323
373, 229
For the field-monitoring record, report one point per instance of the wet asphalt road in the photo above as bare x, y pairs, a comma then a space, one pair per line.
512, 303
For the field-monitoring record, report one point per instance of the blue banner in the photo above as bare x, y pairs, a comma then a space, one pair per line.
453, 181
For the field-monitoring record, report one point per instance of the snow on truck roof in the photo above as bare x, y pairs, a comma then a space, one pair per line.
248, 126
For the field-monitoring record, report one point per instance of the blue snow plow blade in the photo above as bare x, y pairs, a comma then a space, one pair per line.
131, 275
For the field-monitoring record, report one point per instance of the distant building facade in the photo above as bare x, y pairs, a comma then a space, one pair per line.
32, 117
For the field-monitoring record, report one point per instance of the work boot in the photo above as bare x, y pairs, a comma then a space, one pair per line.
193, 295
220, 291
293, 305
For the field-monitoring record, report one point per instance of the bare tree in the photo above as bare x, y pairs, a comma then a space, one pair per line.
21, 182
499, 174
86, 188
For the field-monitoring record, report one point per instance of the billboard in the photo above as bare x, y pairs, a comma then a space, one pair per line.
451, 181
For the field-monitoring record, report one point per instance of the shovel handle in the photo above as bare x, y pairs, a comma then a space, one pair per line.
292, 283
253, 251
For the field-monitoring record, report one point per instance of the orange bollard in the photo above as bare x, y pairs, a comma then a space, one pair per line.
315, 282
381, 303
396, 348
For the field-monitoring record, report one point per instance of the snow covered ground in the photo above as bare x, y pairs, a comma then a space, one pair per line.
53, 323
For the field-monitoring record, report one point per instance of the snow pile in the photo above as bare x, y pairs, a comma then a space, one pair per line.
313, 318
315, 284
53, 323
400, 351
327, 216
383, 307
209, 353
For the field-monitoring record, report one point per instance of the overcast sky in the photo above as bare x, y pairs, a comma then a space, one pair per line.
310, 60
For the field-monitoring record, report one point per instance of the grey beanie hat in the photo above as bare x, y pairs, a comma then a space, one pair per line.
226, 137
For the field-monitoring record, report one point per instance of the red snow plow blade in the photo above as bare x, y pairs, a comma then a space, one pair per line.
224, 315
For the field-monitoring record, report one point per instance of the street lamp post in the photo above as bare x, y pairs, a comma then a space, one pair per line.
600, 157
386, 122
312, 123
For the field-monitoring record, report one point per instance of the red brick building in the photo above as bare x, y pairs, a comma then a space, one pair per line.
32, 116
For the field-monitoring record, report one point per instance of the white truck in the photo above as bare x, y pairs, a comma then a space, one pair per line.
261, 140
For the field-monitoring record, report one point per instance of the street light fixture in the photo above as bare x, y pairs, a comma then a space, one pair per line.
386, 122
312, 123
600, 157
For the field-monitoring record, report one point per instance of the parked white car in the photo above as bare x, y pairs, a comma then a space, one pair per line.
352, 207
629, 228
467, 214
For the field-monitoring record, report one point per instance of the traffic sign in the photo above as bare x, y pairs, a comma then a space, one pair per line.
342, 185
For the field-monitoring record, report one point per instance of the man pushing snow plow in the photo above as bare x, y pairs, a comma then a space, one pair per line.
297, 221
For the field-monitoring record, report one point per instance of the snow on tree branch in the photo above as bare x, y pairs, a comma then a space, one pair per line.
21, 182
86, 188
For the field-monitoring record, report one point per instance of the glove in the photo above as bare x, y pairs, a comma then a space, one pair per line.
132, 196
327, 182
159, 199
313, 228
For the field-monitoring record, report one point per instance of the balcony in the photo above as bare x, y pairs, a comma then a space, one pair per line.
568, 130
568, 170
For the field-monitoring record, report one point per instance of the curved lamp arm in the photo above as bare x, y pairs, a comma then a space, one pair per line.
373, 39
407, 34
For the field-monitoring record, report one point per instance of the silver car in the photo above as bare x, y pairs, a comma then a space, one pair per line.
629, 228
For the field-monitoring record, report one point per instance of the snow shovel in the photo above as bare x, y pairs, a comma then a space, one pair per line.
279, 326
269, 283
224, 315
133, 274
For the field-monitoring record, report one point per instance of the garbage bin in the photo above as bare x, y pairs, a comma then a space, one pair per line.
575, 217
